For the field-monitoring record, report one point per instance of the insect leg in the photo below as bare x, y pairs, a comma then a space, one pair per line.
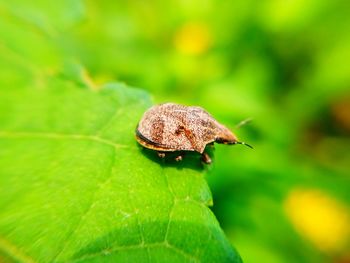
161, 154
206, 158
179, 157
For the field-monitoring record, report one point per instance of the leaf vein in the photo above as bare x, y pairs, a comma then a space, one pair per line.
172, 205
14, 252
93, 202
107, 252
108, 122
60, 136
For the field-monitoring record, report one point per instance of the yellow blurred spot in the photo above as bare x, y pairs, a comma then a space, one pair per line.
192, 39
320, 218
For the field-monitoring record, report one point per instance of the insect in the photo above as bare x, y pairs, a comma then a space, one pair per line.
171, 127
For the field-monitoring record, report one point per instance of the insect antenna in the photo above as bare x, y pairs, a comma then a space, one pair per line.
246, 144
244, 122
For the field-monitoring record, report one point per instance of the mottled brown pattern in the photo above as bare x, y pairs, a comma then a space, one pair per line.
157, 130
174, 127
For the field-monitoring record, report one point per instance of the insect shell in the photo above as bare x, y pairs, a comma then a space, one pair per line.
173, 127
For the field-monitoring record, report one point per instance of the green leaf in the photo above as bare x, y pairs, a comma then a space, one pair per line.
76, 187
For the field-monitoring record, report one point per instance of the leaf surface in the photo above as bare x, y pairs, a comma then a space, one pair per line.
76, 187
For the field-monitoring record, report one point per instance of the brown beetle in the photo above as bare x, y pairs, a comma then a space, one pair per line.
172, 127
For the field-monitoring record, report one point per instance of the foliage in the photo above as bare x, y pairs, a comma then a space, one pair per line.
283, 63
76, 187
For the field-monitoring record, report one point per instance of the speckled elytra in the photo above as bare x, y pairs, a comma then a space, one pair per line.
173, 127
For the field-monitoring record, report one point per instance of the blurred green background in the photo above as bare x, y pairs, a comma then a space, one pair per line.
286, 64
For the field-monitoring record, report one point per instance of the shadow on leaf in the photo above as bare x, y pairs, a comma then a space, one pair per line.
190, 160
